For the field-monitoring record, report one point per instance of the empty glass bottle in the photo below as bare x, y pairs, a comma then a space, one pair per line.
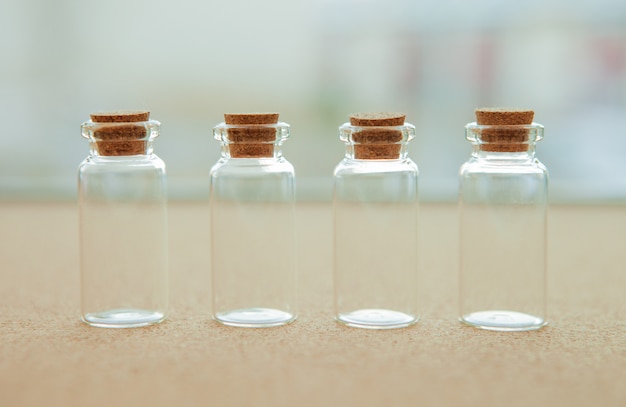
253, 254
375, 210
123, 225
503, 201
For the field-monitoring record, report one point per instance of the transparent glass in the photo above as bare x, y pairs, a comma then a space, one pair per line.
253, 253
123, 233
503, 210
375, 212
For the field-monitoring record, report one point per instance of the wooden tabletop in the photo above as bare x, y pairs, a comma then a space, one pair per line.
49, 358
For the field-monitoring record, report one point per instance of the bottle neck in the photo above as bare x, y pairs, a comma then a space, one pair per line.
504, 142
120, 138
120, 148
376, 143
376, 152
251, 151
486, 152
251, 141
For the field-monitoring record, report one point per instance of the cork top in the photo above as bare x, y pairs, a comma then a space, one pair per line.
377, 141
506, 131
121, 116
251, 118
120, 133
251, 135
500, 116
377, 119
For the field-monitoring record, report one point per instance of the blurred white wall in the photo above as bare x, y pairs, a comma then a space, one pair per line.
315, 62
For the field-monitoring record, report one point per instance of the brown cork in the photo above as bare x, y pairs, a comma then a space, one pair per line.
242, 139
122, 116
377, 143
377, 119
121, 137
504, 136
251, 118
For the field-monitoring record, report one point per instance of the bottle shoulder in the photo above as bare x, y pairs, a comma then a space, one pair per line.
122, 163
349, 166
252, 166
477, 166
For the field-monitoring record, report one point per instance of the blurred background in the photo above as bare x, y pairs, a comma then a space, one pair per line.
315, 62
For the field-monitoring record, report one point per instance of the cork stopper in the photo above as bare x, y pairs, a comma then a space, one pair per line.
377, 119
252, 139
380, 143
121, 137
504, 136
122, 116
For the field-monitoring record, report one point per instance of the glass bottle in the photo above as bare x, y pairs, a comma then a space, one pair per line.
375, 209
123, 225
253, 258
503, 205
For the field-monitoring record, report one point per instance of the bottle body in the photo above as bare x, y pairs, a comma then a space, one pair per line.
503, 219
375, 241
123, 240
252, 213
375, 210
253, 242
122, 223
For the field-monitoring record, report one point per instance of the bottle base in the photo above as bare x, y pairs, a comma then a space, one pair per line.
123, 318
497, 320
376, 319
254, 317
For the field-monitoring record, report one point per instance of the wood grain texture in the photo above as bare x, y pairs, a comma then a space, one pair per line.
48, 357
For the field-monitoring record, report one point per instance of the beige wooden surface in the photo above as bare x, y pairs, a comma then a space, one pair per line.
49, 358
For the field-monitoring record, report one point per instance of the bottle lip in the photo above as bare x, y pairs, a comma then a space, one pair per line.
113, 132
271, 133
352, 134
530, 126
376, 143
120, 138
503, 135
